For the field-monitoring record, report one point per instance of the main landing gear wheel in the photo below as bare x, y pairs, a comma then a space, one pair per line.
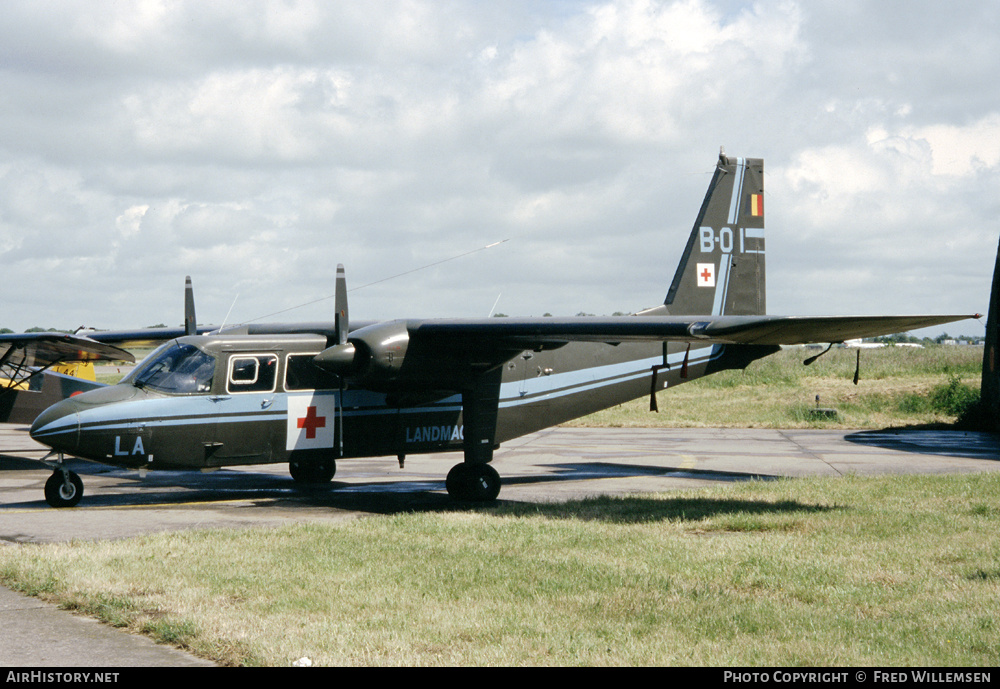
312, 472
473, 482
63, 489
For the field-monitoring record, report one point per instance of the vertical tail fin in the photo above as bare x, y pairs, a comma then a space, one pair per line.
722, 269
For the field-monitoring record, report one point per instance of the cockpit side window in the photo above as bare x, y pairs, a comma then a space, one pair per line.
175, 369
252, 372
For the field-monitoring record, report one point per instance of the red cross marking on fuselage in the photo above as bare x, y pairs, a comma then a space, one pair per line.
706, 275
311, 422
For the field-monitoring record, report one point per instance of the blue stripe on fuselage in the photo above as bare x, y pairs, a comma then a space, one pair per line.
253, 407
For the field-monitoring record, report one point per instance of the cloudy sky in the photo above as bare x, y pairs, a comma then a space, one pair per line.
255, 145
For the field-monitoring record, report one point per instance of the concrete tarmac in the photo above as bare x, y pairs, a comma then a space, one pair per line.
553, 465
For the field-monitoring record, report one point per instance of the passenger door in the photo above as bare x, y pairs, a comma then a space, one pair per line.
248, 418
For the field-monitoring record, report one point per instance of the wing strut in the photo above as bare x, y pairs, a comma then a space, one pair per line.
811, 359
479, 415
652, 385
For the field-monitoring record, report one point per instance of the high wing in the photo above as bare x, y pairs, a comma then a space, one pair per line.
450, 353
153, 337
142, 337
531, 333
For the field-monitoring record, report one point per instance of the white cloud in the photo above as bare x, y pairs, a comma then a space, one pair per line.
257, 144
961, 150
129, 223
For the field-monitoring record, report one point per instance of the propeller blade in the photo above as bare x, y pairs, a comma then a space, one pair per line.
339, 358
340, 302
190, 322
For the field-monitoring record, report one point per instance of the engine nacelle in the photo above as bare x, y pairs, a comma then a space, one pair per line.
383, 357
382, 348
372, 355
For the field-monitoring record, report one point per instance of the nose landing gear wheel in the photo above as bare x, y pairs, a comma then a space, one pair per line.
63, 489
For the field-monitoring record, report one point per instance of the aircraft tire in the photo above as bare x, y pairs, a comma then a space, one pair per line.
60, 494
485, 483
473, 482
456, 482
313, 472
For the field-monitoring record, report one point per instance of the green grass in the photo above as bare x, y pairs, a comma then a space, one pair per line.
851, 571
899, 386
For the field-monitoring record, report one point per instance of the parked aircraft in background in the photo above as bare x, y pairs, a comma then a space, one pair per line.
309, 394
39, 369
858, 343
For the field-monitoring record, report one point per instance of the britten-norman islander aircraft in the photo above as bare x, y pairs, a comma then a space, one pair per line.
310, 394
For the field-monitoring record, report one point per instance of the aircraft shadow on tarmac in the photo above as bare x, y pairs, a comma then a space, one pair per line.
123, 488
968, 444
639, 509
11, 463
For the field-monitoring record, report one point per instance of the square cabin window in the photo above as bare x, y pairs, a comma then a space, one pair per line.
302, 373
252, 373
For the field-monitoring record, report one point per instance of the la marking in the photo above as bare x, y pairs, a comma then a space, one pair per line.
137, 448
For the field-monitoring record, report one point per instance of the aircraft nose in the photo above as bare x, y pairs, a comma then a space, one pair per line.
69, 426
58, 426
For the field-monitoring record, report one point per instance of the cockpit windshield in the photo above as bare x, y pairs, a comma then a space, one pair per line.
174, 369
